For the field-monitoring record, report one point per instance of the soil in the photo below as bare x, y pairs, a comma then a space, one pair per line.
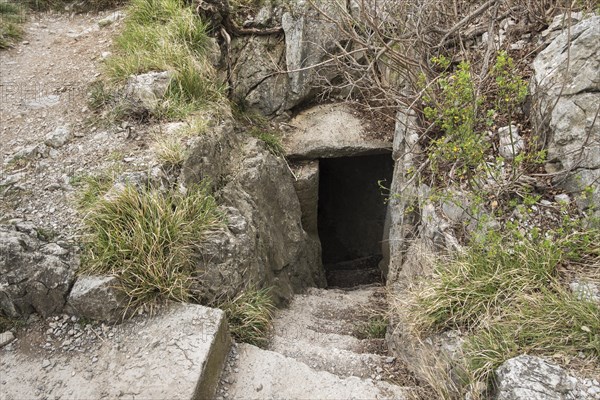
44, 85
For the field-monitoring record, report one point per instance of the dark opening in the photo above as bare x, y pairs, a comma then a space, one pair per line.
351, 217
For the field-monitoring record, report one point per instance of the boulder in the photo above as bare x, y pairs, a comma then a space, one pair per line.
33, 278
264, 243
98, 298
532, 378
566, 93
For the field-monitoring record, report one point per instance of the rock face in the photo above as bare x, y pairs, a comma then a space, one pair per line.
415, 229
566, 94
34, 276
258, 61
307, 188
264, 243
532, 378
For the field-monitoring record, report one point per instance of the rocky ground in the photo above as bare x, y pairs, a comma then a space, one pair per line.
50, 138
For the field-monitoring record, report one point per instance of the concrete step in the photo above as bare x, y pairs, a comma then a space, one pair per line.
177, 354
264, 374
343, 363
325, 318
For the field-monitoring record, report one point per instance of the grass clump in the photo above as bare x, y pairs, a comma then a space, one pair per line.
374, 328
505, 293
10, 324
270, 139
148, 239
92, 187
12, 16
166, 35
169, 151
249, 315
550, 322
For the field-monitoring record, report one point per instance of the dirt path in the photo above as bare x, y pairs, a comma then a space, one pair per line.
44, 83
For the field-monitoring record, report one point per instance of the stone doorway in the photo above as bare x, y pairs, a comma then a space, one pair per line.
351, 217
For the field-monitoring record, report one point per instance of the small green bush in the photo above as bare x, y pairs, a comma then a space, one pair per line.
148, 239
462, 115
249, 315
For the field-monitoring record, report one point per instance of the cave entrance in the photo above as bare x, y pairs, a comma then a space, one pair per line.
351, 217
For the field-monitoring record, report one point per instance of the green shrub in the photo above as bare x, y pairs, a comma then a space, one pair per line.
462, 115
249, 315
148, 239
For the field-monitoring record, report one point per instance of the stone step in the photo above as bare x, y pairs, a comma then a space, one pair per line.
343, 363
264, 374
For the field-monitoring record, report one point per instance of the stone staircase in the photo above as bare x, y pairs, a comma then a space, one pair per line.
314, 354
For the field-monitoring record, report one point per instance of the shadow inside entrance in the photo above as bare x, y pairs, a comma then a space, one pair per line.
351, 217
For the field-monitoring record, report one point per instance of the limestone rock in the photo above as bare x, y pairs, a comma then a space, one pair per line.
97, 298
588, 291
258, 61
111, 19
566, 93
31, 280
311, 37
532, 378
264, 243
330, 131
256, 79
307, 189
511, 143
147, 90
6, 338
58, 137
29, 153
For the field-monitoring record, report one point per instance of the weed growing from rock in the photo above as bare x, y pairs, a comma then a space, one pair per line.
249, 315
270, 139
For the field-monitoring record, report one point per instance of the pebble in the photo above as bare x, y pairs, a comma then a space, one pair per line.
6, 338
46, 363
562, 198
